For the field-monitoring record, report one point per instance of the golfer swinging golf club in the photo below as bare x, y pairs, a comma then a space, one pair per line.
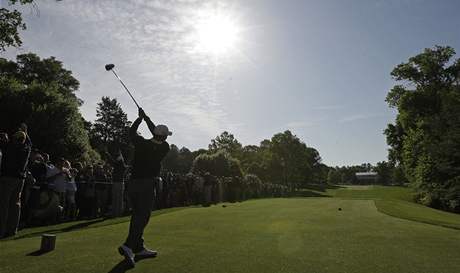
148, 154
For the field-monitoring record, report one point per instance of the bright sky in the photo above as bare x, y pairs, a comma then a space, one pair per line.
255, 68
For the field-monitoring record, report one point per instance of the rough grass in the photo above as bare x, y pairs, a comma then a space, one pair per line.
271, 235
397, 202
419, 213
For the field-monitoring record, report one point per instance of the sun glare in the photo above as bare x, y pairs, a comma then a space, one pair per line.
216, 34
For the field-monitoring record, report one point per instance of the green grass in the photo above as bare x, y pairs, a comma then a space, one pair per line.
374, 192
419, 213
358, 192
270, 235
78, 225
397, 202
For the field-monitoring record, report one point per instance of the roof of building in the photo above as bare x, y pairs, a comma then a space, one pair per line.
366, 174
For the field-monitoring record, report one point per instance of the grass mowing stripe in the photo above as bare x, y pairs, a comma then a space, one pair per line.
397, 202
415, 212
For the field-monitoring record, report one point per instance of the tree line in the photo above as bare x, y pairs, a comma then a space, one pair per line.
424, 139
42, 93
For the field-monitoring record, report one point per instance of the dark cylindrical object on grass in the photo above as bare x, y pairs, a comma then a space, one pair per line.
48, 242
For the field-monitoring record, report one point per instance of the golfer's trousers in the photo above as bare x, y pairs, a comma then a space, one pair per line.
10, 204
140, 193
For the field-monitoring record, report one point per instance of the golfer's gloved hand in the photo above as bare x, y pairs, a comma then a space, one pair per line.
141, 113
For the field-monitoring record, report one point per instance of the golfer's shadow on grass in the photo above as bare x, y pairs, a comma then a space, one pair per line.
61, 230
123, 266
37, 253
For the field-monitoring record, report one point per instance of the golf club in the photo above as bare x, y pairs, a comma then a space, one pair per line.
109, 67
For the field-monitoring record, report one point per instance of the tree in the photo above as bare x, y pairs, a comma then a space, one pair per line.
320, 173
109, 133
282, 159
425, 139
334, 177
294, 160
30, 69
171, 161
385, 171
226, 142
218, 164
178, 160
347, 174
47, 103
10, 24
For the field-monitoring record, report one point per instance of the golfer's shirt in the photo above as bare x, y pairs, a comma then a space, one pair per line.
147, 157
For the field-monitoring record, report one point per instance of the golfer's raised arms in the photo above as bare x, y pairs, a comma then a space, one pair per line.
149, 122
133, 129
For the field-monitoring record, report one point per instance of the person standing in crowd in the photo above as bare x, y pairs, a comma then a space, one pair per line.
3, 143
207, 189
79, 194
148, 154
52, 171
13, 167
38, 169
118, 175
71, 189
108, 170
101, 181
90, 192
60, 181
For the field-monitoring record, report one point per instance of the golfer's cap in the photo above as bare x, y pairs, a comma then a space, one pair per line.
162, 130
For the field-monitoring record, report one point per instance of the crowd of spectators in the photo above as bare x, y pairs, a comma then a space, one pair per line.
37, 191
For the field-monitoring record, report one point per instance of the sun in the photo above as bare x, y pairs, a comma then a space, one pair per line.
216, 34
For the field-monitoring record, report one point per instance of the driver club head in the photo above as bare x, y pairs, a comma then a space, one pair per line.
109, 67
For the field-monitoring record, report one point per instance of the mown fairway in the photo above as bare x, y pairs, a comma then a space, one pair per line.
271, 235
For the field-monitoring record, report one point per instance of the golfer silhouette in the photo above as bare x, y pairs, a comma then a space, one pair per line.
148, 154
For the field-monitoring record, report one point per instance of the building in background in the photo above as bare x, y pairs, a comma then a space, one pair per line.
367, 177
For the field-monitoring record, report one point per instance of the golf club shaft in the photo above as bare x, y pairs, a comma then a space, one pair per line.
127, 90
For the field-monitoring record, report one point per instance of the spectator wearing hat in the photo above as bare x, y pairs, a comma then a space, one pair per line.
14, 162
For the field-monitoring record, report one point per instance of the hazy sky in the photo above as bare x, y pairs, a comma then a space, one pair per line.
318, 68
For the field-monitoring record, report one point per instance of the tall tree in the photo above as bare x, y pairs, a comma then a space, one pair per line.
251, 158
425, 139
226, 142
293, 158
31, 92
109, 132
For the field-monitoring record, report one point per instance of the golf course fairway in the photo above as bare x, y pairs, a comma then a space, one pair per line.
267, 235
